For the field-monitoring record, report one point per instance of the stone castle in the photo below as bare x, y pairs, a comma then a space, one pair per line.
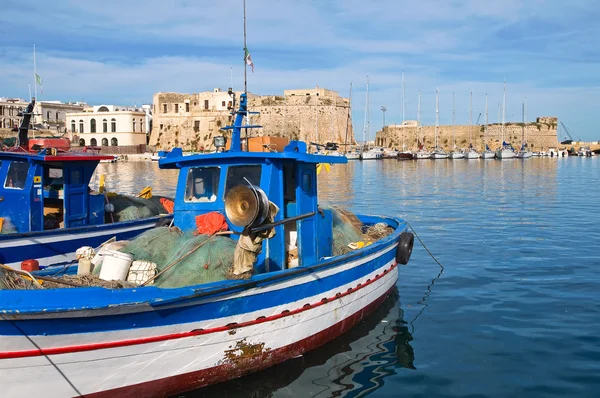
191, 121
539, 135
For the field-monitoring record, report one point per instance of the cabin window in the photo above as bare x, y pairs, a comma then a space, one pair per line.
242, 175
76, 178
53, 179
17, 175
202, 184
93, 126
306, 182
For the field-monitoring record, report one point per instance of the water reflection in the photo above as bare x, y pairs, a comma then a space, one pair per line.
352, 365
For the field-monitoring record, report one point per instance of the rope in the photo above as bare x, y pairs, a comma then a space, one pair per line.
425, 247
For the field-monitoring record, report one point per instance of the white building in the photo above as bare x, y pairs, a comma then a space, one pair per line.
108, 125
51, 115
9, 110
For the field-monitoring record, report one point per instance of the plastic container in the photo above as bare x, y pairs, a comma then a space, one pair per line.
84, 267
115, 265
141, 271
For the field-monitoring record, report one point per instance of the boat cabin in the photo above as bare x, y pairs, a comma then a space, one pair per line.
49, 190
289, 180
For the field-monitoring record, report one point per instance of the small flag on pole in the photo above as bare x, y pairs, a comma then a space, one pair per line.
38, 80
248, 59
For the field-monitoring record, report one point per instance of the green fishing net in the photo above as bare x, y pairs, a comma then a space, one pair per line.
134, 208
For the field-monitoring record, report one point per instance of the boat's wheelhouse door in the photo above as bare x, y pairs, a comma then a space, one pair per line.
75, 195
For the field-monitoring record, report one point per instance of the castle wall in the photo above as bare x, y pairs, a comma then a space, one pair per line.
539, 136
317, 115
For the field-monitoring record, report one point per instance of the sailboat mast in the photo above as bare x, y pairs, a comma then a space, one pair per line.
525, 120
453, 122
503, 111
486, 124
366, 114
523, 128
403, 97
419, 120
437, 104
245, 52
470, 116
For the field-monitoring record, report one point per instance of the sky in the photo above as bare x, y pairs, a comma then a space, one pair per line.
122, 52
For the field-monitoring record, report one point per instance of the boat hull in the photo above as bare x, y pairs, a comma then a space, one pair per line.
456, 155
523, 155
405, 156
505, 154
422, 155
472, 155
488, 155
159, 342
59, 245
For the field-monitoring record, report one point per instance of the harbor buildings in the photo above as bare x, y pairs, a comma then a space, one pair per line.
108, 125
192, 120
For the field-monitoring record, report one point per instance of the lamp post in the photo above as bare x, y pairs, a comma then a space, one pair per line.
383, 109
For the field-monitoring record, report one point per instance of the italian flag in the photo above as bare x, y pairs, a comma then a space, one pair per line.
248, 59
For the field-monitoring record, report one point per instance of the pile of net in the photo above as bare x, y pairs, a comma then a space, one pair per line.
86, 281
134, 208
349, 230
182, 259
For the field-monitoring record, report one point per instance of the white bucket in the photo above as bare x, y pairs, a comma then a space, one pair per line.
115, 265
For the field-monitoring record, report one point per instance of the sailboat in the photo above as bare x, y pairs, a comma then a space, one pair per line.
455, 154
373, 153
421, 152
471, 153
405, 154
487, 154
524, 152
438, 153
505, 151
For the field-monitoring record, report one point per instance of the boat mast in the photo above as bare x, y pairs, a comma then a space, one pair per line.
503, 112
523, 128
470, 117
419, 121
245, 79
403, 97
486, 121
453, 122
366, 115
437, 103
525, 121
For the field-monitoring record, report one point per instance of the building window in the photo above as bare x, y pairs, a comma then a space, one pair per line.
205, 104
176, 108
72, 126
196, 125
141, 126
113, 126
187, 106
114, 142
81, 142
105, 126
195, 103
222, 103
48, 115
134, 126
161, 126
93, 126
104, 141
56, 116
81, 127
93, 142
164, 108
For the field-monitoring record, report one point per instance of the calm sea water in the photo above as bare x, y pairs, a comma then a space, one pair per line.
515, 312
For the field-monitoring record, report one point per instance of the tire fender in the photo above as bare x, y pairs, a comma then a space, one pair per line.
405, 246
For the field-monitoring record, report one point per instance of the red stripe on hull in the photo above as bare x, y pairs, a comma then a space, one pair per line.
198, 332
194, 380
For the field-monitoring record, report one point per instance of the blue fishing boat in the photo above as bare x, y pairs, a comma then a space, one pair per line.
47, 210
153, 341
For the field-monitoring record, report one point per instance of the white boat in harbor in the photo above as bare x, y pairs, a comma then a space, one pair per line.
524, 152
421, 152
471, 153
352, 155
487, 153
506, 151
438, 153
456, 153
373, 153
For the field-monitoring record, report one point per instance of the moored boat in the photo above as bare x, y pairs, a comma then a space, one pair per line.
274, 307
